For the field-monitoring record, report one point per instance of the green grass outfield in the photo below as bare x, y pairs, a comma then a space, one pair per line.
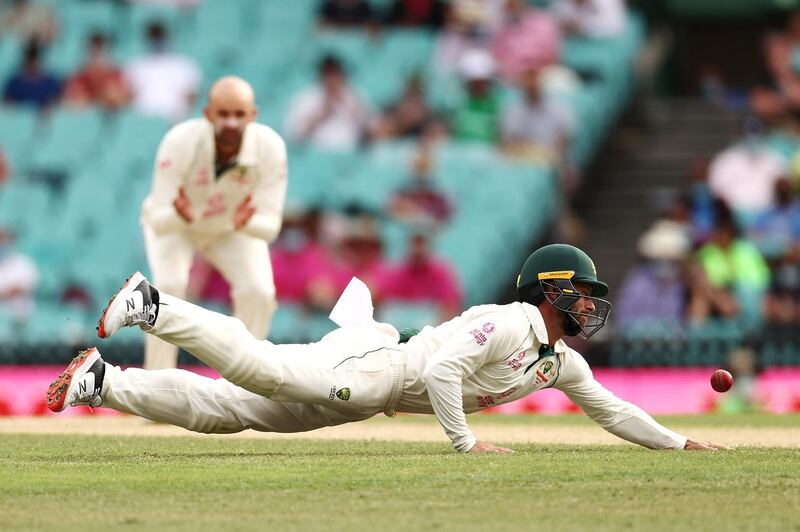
66, 482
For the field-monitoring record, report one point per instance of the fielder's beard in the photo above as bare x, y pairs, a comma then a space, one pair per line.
571, 325
228, 133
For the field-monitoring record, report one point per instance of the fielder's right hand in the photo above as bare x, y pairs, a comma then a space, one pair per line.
486, 447
183, 206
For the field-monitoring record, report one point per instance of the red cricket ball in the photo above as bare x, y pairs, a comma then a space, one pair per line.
721, 381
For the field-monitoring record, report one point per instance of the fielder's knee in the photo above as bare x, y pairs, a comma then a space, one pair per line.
249, 367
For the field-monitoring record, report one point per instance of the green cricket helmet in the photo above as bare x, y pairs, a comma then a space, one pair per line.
551, 272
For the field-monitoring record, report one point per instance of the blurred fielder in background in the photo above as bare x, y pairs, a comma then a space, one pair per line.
218, 189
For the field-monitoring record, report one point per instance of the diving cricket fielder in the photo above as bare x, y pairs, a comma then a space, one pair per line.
489, 355
218, 189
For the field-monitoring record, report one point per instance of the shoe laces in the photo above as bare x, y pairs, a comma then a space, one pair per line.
135, 317
85, 393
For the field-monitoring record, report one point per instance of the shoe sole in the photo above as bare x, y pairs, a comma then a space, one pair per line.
59, 390
134, 281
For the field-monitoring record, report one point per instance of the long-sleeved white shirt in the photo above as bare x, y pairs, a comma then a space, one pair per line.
489, 355
186, 158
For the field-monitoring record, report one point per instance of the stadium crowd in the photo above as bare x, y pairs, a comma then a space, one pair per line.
502, 55
729, 246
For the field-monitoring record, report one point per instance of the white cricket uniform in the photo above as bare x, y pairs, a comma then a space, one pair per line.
487, 356
186, 158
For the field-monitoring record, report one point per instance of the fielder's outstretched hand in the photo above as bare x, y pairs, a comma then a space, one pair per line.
696, 445
486, 447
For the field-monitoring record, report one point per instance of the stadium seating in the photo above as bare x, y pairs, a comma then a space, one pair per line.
82, 227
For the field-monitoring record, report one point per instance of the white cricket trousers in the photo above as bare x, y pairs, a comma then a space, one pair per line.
351, 374
241, 259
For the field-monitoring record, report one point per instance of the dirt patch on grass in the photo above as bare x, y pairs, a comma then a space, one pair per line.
381, 428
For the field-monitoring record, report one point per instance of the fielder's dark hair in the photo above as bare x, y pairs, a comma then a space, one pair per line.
531, 293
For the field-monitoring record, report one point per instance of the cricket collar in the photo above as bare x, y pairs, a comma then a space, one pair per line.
539, 329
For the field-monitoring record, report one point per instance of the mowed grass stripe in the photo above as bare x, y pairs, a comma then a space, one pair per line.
94, 483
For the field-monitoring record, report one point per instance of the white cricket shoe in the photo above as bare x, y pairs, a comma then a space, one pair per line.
136, 303
80, 383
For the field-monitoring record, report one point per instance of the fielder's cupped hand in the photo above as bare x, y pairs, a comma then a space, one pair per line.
696, 445
243, 213
183, 206
486, 447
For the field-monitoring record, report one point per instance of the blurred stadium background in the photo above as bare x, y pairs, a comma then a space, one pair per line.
662, 137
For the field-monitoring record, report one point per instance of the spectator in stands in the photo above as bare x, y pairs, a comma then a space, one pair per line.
99, 82
734, 270
28, 21
180, 4
466, 30
744, 175
777, 229
18, 278
409, 115
590, 18
75, 294
345, 13
163, 83
412, 13
538, 127
32, 85
360, 254
330, 115
420, 202
782, 302
529, 38
707, 301
776, 232
769, 105
783, 92
477, 118
783, 136
679, 213
301, 263
654, 292
701, 200
423, 278
5, 169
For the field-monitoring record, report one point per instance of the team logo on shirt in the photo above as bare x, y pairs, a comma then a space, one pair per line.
547, 366
343, 394
240, 176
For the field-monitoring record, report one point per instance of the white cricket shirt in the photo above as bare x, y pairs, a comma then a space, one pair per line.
489, 355
186, 158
